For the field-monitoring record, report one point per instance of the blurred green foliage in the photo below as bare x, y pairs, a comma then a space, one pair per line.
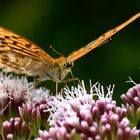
68, 25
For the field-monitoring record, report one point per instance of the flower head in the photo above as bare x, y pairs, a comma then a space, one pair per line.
20, 99
132, 103
15, 128
85, 118
15, 91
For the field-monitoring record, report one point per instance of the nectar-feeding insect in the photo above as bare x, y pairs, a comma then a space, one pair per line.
21, 56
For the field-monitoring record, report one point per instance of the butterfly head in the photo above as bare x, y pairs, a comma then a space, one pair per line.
67, 65
64, 66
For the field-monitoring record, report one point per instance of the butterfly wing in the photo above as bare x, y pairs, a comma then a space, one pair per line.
20, 55
99, 41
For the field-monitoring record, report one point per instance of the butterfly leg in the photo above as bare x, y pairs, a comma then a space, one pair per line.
37, 82
73, 79
56, 88
70, 80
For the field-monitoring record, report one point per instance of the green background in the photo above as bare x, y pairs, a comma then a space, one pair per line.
68, 25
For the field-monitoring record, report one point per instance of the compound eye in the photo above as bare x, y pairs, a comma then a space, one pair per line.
65, 64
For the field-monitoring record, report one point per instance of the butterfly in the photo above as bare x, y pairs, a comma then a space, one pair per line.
21, 56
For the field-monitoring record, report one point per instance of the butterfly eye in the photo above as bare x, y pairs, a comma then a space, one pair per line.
68, 64
65, 64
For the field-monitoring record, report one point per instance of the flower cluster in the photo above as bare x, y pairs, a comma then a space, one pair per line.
75, 114
13, 93
15, 128
79, 116
21, 108
132, 103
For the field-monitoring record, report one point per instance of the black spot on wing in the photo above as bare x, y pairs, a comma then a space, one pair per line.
29, 45
2, 46
15, 43
3, 42
7, 37
2, 51
15, 37
4, 59
2, 39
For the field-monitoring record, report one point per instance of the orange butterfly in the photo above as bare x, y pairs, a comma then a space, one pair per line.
21, 56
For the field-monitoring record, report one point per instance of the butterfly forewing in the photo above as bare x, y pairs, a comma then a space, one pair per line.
100, 40
20, 55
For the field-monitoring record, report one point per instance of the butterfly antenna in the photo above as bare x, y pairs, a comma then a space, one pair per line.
54, 50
